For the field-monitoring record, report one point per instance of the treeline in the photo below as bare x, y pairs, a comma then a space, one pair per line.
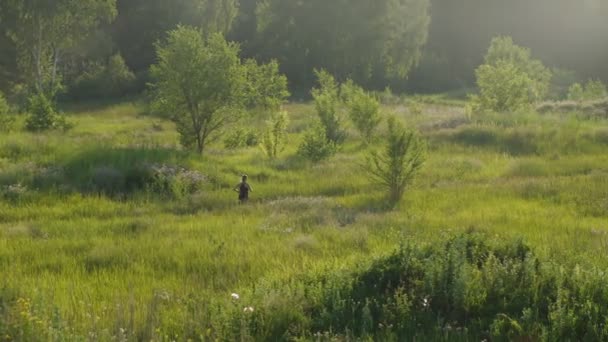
411, 45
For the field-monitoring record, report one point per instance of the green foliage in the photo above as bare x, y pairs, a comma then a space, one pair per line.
503, 49
503, 87
395, 168
464, 287
43, 116
327, 104
7, 121
275, 137
391, 32
576, 92
267, 87
510, 79
111, 80
201, 82
415, 107
46, 30
316, 146
240, 137
363, 109
595, 90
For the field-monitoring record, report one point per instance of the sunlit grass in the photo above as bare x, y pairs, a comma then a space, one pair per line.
146, 261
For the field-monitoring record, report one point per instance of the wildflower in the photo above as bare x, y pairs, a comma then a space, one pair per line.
248, 309
235, 296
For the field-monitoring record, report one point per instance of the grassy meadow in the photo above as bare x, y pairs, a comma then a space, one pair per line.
92, 248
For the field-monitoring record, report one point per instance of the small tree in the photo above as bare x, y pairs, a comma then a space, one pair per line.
201, 81
363, 109
327, 102
503, 49
43, 116
576, 92
315, 146
509, 79
595, 90
395, 168
275, 138
503, 87
266, 86
7, 121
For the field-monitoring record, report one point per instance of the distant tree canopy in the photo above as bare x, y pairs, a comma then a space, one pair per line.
437, 44
45, 31
358, 39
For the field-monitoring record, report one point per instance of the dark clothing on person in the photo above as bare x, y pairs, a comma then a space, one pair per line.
243, 188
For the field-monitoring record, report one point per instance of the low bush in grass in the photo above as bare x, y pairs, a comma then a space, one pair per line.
120, 172
468, 287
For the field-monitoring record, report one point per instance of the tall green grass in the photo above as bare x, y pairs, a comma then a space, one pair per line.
84, 256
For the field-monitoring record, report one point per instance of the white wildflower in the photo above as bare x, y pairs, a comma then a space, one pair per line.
248, 309
235, 296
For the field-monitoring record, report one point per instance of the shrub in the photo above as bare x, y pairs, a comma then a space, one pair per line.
275, 137
510, 79
415, 107
502, 49
363, 109
595, 90
316, 146
7, 121
466, 287
576, 92
42, 114
327, 102
402, 158
503, 88
111, 79
240, 137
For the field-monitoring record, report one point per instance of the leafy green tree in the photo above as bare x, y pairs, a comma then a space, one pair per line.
503, 49
509, 79
315, 146
358, 39
502, 87
114, 79
267, 87
595, 90
141, 23
576, 92
7, 121
395, 168
43, 116
363, 109
274, 139
201, 81
45, 31
327, 104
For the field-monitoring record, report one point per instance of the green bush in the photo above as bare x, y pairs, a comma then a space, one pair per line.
316, 146
395, 168
327, 103
110, 79
42, 115
467, 287
509, 80
7, 121
503, 88
576, 92
363, 109
240, 137
275, 137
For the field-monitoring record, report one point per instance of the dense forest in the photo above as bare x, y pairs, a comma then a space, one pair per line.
412, 45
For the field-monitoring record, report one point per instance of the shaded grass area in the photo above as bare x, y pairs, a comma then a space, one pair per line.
94, 245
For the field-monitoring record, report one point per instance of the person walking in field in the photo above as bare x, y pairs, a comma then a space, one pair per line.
243, 188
